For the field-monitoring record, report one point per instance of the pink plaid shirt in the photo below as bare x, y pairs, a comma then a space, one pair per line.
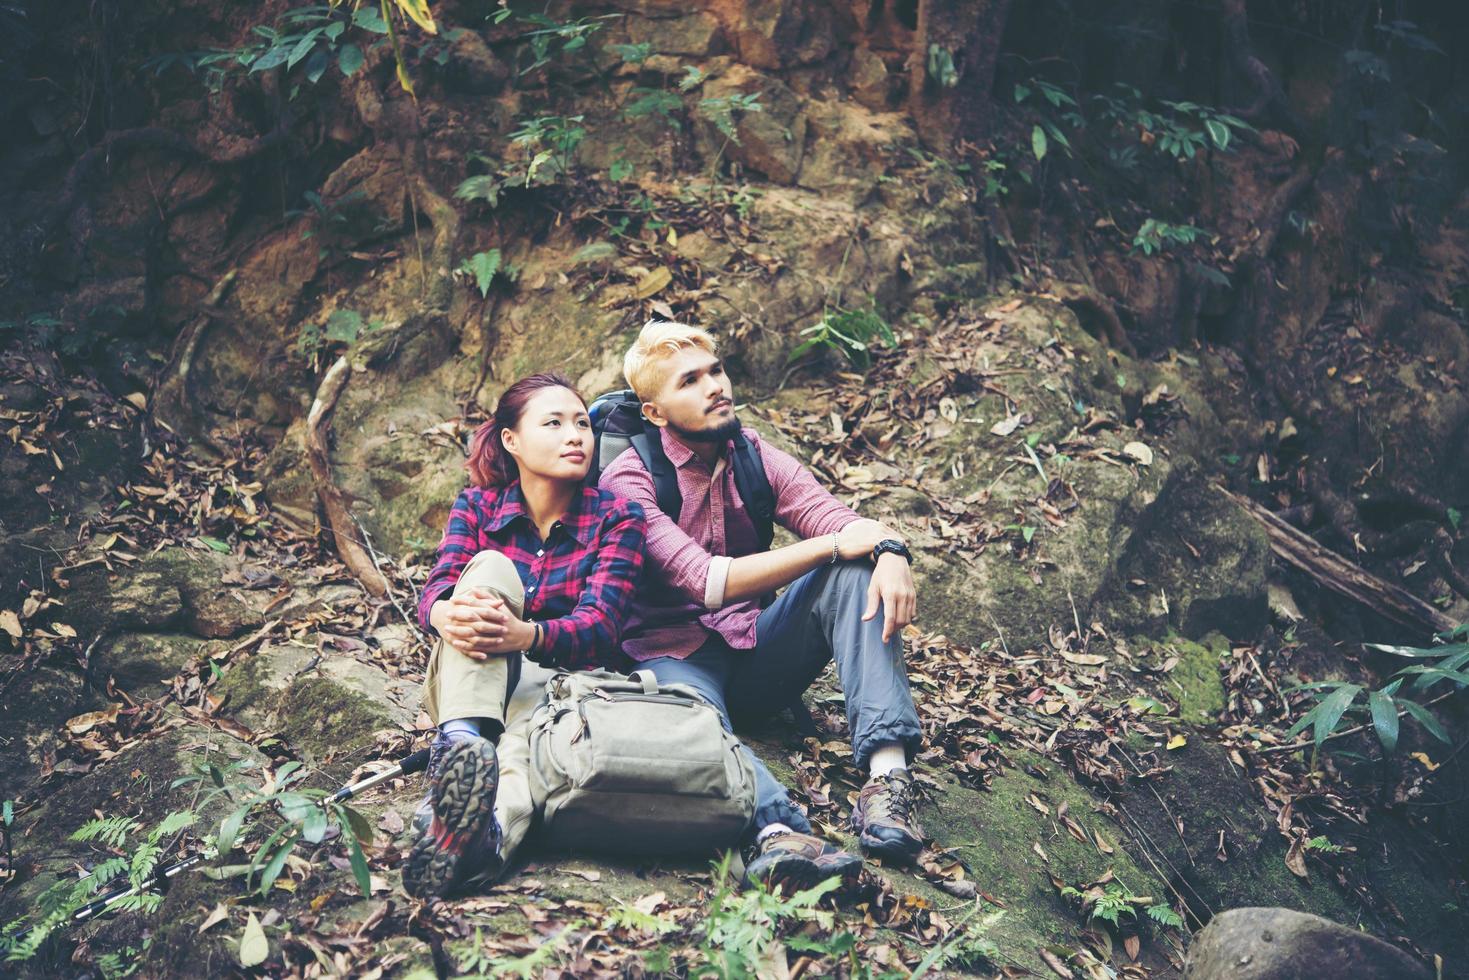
681, 597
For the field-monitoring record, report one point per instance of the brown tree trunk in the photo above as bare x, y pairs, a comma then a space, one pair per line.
949, 109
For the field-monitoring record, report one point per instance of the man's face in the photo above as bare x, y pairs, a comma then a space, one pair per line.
695, 400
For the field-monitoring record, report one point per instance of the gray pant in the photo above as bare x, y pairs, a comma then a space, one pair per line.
817, 619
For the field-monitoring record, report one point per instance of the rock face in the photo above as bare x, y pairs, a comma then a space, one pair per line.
1281, 944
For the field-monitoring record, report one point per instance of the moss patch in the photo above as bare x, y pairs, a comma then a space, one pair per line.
997, 832
1194, 681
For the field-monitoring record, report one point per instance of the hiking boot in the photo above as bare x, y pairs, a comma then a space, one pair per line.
794, 862
423, 817
463, 839
884, 820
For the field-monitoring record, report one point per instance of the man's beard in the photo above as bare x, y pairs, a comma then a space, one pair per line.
720, 433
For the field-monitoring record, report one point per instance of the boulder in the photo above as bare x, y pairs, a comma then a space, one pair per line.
1282, 944
770, 141
327, 706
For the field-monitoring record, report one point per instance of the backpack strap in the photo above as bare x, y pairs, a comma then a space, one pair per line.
755, 490
649, 447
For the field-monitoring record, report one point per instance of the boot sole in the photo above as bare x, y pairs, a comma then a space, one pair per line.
464, 802
903, 851
793, 872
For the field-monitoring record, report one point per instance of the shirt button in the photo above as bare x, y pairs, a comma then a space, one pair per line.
541, 553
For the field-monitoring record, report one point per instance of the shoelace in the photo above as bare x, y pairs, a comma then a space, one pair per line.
895, 803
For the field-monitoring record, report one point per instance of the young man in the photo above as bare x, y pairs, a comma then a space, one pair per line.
697, 617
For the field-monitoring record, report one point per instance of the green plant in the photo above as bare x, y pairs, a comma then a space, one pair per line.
553, 38
743, 928
303, 817
485, 267
552, 140
941, 66
343, 328
1155, 235
122, 963
1175, 129
1324, 845
852, 332
1113, 902
1062, 108
21, 939
1339, 700
724, 111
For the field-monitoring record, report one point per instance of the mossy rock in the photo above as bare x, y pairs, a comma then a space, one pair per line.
1206, 796
1193, 562
997, 832
33, 704
177, 588
1194, 680
136, 783
327, 708
143, 664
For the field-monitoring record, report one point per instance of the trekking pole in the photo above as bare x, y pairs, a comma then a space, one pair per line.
416, 762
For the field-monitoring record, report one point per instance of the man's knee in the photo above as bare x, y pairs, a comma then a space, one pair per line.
849, 576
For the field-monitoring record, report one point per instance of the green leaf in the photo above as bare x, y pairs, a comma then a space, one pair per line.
1425, 718
303, 47
1027, 533
272, 58
1333, 706
1384, 720
272, 869
1419, 653
314, 826
1454, 517
358, 823
483, 265
229, 829
350, 59
1038, 142
359, 866
1218, 132
216, 544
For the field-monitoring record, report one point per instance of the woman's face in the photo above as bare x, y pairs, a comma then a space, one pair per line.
553, 439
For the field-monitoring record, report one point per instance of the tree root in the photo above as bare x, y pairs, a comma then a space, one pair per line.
172, 401
339, 518
1084, 299
1269, 95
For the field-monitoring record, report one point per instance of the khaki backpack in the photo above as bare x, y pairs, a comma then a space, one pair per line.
620, 763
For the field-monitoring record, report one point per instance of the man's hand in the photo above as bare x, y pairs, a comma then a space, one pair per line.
477, 624
892, 586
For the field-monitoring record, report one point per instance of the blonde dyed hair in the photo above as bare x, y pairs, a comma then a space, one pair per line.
644, 363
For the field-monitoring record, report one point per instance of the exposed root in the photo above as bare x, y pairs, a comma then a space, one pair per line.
173, 399
1086, 300
338, 517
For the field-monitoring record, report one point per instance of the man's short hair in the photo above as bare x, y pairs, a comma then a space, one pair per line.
643, 364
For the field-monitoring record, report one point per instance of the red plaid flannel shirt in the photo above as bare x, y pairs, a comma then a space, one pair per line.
578, 583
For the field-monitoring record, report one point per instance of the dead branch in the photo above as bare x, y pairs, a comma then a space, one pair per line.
1341, 576
338, 517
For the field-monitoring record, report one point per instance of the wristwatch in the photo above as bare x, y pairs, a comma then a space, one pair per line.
892, 546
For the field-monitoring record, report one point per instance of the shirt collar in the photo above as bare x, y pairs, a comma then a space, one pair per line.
680, 455
511, 504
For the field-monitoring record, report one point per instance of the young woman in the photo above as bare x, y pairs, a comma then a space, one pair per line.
534, 569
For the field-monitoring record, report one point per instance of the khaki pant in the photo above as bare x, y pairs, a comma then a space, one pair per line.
459, 687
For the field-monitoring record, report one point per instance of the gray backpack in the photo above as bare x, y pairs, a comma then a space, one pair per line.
620, 763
